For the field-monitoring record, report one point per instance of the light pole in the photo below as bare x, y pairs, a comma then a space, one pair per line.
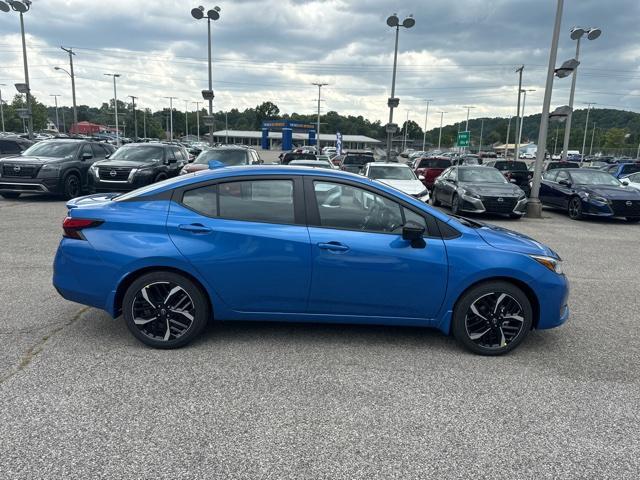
186, 119
73, 82
481, 132
115, 104
518, 120
406, 129
424, 132
2, 106
440, 135
144, 123
226, 128
135, 120
319, 85
171, 117
466, 128
22, 7
197, 119
394, 21
576, 34
534, 207
213, 14
584, 138
55, 96
593, 134
506, 144
524, 102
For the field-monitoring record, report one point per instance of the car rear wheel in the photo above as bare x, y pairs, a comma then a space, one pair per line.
492, 318
10, 195
165, 310
71, 186
575, 209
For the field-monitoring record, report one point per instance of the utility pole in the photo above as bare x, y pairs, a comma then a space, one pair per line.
55, 96
186, 118
466, 128
73, 83
319, 85
197, 119
64, 124
440, 135
406, 128
584, 138
144, 123
506, 144
226, 128
481, 131
115, 104
135, 120
555, 145
1, 106
171, 99
593, 134
524, 101
518, 120
424, 133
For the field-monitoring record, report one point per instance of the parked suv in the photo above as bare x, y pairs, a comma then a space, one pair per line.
430, 168
53, 166
137, 164
514, 171
355, 162
227, 155
10, 146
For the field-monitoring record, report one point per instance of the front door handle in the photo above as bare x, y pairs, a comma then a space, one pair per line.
333, 246
194, 228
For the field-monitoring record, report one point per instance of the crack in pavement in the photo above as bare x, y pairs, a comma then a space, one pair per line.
34, 350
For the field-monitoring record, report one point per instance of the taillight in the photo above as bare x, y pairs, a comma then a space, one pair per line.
73, 227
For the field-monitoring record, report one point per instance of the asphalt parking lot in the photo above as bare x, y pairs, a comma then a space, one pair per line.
82, 399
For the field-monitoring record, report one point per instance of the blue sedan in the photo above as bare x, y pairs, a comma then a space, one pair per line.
302, 245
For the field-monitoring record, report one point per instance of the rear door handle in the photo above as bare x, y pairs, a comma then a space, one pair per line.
333, 246
194, 228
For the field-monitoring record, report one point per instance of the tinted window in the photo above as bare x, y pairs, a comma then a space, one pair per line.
503, 166
434, 163
138, 153
592, 177
562, 175
257, 201
203, 200
223, 155
53, 149
9, 146
550, 175
86, 148
179, 154
352, 208
626, 169
98, 151
481, 175
357, 159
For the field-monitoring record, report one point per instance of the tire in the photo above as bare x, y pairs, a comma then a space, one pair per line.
455, 204
633, 219
434, 200
476, 327
10, 195
71, 187
173, 313
159, 177
515, 216
575, 209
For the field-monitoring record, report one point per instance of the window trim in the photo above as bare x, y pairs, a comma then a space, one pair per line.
299, 215
313, 213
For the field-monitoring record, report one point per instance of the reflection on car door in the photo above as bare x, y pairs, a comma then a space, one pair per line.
248, 240
361, 265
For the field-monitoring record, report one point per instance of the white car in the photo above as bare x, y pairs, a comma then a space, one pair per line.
328, 150
398, 176
632, 180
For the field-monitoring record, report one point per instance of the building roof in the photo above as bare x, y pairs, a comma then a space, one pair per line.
325, 137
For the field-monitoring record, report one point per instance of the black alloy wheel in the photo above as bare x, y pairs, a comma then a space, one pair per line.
492, 318
575, 208
71, 186
165, 310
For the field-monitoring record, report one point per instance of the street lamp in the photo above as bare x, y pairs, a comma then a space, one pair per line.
584, 138
466, 128
2, 106
319, 85
440, 135
55, 96
524, 102
186, 119
171, 99
73, 82
576, 34
197, 119
426, 118
213, 14
394, 22
22, 7
115, 104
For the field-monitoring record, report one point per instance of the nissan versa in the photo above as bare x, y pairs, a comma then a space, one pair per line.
302, 245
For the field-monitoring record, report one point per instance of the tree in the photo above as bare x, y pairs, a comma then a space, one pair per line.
614, 138
264, 111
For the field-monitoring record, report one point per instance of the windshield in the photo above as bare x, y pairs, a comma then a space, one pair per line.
138, 154
391, 173
480, 175
502, 166
357, 159
228, 157
52, 149
434, 163
470, 161
585, 177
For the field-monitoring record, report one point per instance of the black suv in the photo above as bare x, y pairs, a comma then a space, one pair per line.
10, 146
515, 171
53, 166
355, 162
135, 165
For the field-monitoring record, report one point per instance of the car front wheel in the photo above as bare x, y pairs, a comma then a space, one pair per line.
165, 309
575, 208
492, 318
71, 186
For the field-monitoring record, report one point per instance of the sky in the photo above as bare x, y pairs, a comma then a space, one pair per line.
459, 53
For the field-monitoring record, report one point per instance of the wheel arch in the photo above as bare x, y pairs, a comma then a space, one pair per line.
131, 277
526, 289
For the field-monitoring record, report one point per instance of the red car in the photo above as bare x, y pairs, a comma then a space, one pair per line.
430, 168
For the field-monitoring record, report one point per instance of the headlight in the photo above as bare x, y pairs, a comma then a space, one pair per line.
51, 167
597, 198
467, 193
553, 264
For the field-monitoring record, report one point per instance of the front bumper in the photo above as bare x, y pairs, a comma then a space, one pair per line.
28, 185
613, 208
491, 205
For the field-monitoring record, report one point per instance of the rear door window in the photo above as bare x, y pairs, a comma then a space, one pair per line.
268, 201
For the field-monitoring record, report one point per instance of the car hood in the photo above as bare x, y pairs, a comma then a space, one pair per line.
18, 159
610, 192
492, 189
124, 163
505, 239
410, 187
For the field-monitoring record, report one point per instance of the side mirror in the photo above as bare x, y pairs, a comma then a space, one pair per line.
87, 156
414, 235
625, 182
107, 155
420, 177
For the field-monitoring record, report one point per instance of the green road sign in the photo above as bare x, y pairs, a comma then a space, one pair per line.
464, 139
